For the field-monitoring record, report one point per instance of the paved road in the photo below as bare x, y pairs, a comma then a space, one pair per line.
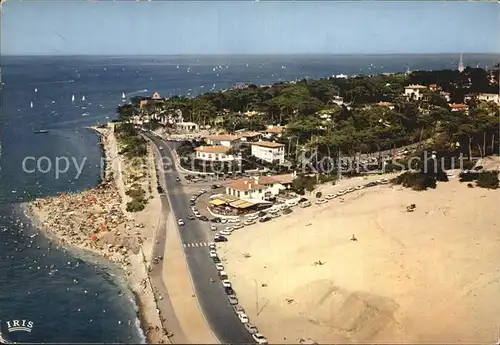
213, 300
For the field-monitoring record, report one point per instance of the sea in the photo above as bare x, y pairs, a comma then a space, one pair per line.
74, 297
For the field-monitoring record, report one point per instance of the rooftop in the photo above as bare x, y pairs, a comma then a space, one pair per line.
223, 137
212, 149
269, 144
416, 86
249, 183
248, 134
274, 129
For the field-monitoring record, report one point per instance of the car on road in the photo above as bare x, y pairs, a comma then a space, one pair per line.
180, 222
229, 290
219, 267
232, 299
220, 238
249, 222
191, 217
331, 196
233, 220
287, 211
178, 179
259, 338
243, 317
224, 233
223, 220
262, 214
213, 228
226, 283
204, 218
237, 226
251, 328
213, 254
212, 246
321, 201
216, 260
215, 186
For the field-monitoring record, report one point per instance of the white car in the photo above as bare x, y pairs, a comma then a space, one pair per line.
360, 187
243, 317
223, 220
233, 220
212, 246
224, 233
259, 338
213, 228
331, 196
161, 147
239, 225
253, 217
249, 222
213, 254
219, 267
384, 181
350, 190
321, 201
180, 222
341, 192
226, 283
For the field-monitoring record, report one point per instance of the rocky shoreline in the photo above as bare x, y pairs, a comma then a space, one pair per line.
95, 220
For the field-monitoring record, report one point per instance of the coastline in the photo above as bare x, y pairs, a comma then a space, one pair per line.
94, 221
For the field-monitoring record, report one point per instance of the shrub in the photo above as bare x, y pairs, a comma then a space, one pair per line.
135, 206
488, 179
136, 193
318, 194
415, 180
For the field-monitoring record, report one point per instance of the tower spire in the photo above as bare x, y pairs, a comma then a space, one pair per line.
461, 66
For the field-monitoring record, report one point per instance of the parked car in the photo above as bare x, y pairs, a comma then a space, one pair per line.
215, 220
262, 214
233, 220
275, 215
331, 196
212, 246
386, 181
197, 214
321, 201
216, 260
249, 222
259, 338
191, 217
219, 267
251, 328
304, 204
220, 238
224, 233
350, 190
177, 179
253, 217
238, 309
213, 228
265, 219
233, 300
243, 318
223, 220
237, 226
226, 283
180, 222
371, 184
222, 275
204, 218
360, 187
213, 254
287, 211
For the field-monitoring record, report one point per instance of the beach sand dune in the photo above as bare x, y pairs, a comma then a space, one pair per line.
432, 275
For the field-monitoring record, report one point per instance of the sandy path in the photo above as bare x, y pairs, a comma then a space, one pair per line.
432, 275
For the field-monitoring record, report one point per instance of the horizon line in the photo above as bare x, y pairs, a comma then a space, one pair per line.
237, 54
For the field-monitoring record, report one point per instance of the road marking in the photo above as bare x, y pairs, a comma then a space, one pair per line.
195, 244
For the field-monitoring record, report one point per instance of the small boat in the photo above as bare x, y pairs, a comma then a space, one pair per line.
31, 105
40, 131
85, 114
72, 98
123, 95
83, 98
36, 90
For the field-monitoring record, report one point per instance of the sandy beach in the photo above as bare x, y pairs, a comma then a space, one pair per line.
96, 220
426, 276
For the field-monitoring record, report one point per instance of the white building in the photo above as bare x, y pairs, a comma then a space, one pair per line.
268, 151
415, 90
187, 126
273, 131
259, 188
489, 97
224, 140
215, 154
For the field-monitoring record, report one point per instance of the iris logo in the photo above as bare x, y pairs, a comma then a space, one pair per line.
19, 326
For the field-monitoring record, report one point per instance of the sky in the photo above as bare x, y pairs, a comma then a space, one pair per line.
246, 27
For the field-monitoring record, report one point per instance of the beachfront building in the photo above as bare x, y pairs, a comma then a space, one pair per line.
415, 91
227, 140
216, 153
259, 188
187, 126
269, 151
489, 97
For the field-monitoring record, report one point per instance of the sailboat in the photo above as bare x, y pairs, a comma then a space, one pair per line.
31, 105
123, 95
72, 98
36, 90
83, 98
